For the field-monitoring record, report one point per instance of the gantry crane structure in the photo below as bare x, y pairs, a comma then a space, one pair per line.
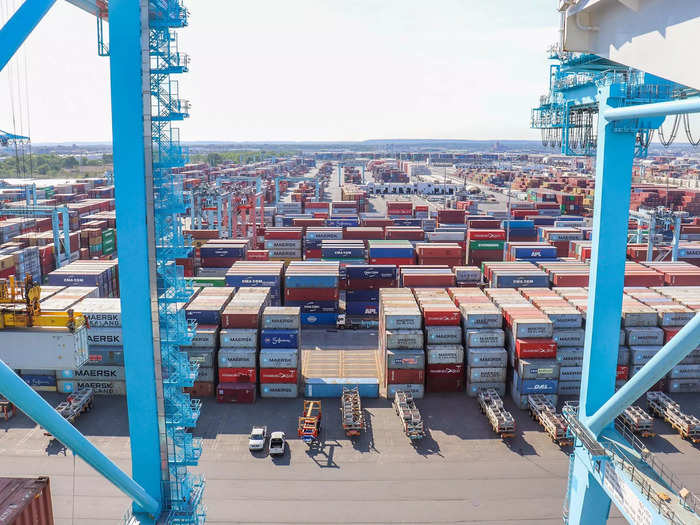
357, 163
144, 57
599, 107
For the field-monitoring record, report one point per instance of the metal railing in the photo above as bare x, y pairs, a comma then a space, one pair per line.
692, 502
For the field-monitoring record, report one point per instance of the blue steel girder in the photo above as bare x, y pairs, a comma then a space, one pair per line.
19, 27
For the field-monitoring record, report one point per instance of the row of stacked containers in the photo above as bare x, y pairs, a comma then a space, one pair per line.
523, 341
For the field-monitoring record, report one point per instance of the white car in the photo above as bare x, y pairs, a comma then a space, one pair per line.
257, 438
277, 443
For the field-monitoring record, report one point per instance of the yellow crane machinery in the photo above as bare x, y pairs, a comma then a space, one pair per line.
20, 308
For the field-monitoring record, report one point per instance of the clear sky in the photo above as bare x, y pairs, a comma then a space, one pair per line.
311, 70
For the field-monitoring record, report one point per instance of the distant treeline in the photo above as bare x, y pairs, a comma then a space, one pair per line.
51, 165
236, 156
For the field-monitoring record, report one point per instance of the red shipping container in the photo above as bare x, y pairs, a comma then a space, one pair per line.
7, 272
218, 262
236, 392
444, 378
377, 222
398, 261
370, 284
401, 376
484, 224
432, 281
570, 279
623, 372
200, 389
26, 501
669, 332
202, 234
279, 375
536, 348
319, 294
486, 235
439, 316
295, 233
312, 254
258, 255
240, 317
237, 375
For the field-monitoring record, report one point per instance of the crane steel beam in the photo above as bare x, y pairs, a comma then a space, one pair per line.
31, 403
90, 6
129, 78
669, 356
18, 28
658, 109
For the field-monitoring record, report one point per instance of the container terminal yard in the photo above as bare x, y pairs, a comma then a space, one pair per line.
349, 337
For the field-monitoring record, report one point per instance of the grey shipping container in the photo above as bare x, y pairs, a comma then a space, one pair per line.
487, 357
475, 318
444, 354
279, 358
281, 317
644, 336
417, 390
570, 356
237, 357
565, 320
473, 389
106, 336
205, 374
684, 385
101, 312
403, 339
685, 371
105, 355
206, 336
89, 373
623, 356
569, 337
45, 348
402, 319
204, 357
570, 373
524, 327
538, 368
103, 388
238, 338
405, 359
486, 374
642, 354
443, 335
279, 390
569, 388
481, 338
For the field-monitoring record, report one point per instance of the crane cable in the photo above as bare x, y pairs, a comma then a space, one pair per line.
688, 132
674, 132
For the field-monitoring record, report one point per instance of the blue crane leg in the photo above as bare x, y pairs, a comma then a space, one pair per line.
669, 356
610, 214
135, 241
19, 27
588, 502
28, 401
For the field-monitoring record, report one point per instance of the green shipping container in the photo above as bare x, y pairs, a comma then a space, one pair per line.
486, 245
108, 235
207, 281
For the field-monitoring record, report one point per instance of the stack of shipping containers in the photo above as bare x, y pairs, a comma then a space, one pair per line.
401, 342
314, 287
444, 352
239, 339
531, 350
362, 288
484, 340
280, 351
254, 274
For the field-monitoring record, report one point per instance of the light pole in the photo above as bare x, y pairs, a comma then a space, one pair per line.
505, 245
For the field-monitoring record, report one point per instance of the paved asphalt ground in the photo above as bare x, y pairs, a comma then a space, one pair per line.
460, 473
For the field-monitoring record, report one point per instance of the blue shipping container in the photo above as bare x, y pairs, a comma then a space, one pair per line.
357, 252
534, 252
279, 338
375, 271
319, 319
391, 253
362, 308
519, 281
518, 224
311, 280
535, 386
362, 295
333, 387
203, 316
339, 223
223, 251
39, 380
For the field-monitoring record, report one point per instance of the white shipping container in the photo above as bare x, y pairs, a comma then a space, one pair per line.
238, 338
492, 337
237, 357
279, 390
45, 348
473, 389
101, 311
90, 373
403, 339
415, 389
205, 336
104, 336
487, 357
444, 354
